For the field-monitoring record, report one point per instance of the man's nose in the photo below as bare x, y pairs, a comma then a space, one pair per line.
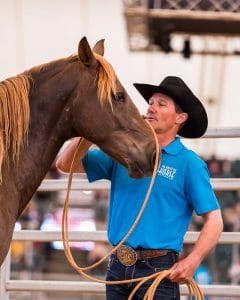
150, 108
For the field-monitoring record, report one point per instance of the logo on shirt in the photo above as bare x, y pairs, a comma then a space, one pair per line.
167, 172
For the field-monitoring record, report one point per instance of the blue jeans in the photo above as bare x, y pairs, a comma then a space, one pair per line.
116, 271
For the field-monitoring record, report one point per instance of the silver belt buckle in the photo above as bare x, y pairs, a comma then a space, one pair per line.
126, 255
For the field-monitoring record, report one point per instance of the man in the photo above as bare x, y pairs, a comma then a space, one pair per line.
182, 186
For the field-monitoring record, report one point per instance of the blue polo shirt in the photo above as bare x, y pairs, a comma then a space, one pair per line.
182, 186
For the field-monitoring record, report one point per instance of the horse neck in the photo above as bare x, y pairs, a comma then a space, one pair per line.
50, 126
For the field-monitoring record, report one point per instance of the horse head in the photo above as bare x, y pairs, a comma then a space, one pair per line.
107, 116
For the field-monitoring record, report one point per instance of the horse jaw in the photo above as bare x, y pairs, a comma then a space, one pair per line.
137, 156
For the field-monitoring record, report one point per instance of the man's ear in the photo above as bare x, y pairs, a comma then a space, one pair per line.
182, 117
85, 54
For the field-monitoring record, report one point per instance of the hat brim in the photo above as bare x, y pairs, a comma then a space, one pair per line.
197, 120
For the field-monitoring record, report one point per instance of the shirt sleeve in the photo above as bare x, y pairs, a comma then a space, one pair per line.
199, 191
98, 165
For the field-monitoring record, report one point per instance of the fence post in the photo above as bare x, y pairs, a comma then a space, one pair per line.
5, 276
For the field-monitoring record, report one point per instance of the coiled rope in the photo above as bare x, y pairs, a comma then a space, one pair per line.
157, 277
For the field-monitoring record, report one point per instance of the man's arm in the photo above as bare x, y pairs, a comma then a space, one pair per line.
64, 161
208, 238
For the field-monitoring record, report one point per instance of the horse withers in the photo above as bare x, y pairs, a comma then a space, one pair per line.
45, 106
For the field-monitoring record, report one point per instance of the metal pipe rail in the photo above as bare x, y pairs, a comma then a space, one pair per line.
97, 288
220, 184
76, 236
92, 287
225, 132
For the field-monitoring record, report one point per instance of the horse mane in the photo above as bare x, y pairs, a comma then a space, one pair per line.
106, 80
14, 117
15, 110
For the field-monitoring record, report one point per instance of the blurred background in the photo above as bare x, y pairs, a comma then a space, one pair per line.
144, 41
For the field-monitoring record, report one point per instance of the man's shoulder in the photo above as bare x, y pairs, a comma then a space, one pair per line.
192, 157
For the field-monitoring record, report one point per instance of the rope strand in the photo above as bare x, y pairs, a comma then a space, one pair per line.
158, 277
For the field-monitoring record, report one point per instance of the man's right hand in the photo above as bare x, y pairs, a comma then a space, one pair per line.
65, 159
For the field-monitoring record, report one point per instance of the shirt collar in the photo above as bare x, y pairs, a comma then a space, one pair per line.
174, 147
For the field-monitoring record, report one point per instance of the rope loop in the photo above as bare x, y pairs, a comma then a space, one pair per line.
156, 277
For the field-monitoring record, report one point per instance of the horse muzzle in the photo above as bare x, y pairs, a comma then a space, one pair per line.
143, 168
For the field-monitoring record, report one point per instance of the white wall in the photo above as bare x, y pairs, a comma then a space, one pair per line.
37, 31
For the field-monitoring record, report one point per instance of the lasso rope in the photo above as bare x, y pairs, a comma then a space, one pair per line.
157, 277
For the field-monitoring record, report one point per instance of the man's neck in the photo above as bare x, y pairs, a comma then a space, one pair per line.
165, 140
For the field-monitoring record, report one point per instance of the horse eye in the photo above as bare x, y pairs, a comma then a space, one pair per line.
119, 96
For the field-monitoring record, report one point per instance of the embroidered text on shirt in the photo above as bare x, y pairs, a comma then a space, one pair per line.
167, 172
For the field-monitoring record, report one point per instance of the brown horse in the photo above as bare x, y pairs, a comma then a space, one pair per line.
45, 106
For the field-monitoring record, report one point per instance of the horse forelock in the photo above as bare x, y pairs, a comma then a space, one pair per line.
106, 80
14, 117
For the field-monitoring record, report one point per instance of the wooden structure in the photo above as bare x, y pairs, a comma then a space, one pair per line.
151, 24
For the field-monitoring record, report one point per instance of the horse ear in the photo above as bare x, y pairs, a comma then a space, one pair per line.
99, 47
85, 54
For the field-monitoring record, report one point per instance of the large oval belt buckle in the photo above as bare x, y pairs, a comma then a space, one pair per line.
126, 255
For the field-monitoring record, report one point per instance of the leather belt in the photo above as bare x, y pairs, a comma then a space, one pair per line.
128, 256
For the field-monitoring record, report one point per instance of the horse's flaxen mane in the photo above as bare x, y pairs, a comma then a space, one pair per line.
14, 105
106, 80
14, 117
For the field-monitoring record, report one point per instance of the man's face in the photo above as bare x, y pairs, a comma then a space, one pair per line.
162, 114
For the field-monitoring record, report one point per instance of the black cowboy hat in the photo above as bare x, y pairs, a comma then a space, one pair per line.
175, 88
